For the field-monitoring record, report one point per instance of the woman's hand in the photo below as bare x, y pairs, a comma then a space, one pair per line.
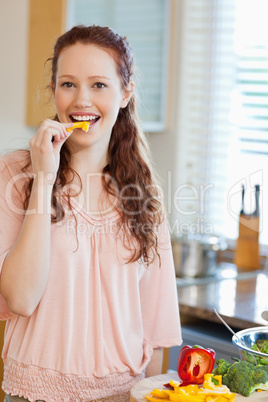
45, 153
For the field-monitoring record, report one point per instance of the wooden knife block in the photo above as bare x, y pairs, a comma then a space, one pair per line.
247, 246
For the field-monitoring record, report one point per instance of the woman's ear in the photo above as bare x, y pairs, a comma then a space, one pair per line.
128, 92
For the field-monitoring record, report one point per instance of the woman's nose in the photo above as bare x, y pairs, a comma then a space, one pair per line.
83, 98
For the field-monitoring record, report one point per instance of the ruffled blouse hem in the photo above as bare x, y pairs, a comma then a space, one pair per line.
33, 383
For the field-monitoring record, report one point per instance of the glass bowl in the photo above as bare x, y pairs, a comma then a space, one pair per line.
245, 339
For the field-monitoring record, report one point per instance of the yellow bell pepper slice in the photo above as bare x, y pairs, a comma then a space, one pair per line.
212, 389
191, 389
188, 398
160, 393
209, 384
79, 124
154, 399
175, 384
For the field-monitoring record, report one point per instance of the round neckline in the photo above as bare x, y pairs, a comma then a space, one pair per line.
99, 216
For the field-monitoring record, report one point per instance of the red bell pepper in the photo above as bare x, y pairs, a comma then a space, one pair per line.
193, 363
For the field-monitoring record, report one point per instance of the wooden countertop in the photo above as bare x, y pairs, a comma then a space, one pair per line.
240, 297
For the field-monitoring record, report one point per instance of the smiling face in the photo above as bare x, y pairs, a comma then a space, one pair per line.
88, 87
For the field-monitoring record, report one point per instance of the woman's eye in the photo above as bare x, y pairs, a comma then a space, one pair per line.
67, 84
99, 85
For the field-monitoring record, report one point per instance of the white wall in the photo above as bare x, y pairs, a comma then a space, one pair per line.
13, 45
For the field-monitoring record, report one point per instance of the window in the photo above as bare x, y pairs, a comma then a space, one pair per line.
145, 23
223, 115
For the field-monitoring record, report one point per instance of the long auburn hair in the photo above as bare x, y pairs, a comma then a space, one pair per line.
128, 165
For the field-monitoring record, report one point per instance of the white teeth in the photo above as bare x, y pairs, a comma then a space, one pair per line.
83, 118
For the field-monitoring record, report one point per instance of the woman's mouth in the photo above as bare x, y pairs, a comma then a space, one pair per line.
92, 119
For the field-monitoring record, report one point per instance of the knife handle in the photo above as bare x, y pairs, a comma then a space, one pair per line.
257, 200
243, 198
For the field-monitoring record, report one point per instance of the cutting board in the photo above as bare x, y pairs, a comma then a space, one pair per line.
145, 386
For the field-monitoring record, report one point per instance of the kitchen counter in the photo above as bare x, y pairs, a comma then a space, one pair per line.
239, 296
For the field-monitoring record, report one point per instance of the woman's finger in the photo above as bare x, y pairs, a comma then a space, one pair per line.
52, 129
62, 133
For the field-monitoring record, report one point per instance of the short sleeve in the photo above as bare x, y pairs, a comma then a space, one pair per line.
11, 217
159, 300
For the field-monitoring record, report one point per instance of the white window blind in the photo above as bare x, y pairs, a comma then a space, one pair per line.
145, 23
223, 114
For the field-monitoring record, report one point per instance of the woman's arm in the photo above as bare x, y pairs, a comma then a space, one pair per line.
155, 365
26, 267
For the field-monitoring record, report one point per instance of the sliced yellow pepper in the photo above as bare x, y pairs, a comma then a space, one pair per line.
174, 383
80, 124
160, 393
209, 384
191, 389
187, 398
192, 393
153, 399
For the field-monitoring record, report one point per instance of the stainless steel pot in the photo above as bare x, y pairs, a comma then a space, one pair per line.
196, 255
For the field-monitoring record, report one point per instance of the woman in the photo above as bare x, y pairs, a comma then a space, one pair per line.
87, 282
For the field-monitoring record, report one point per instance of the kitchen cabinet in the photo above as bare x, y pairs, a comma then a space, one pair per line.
42, 14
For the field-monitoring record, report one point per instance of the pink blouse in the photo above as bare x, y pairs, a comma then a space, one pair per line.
99, 319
